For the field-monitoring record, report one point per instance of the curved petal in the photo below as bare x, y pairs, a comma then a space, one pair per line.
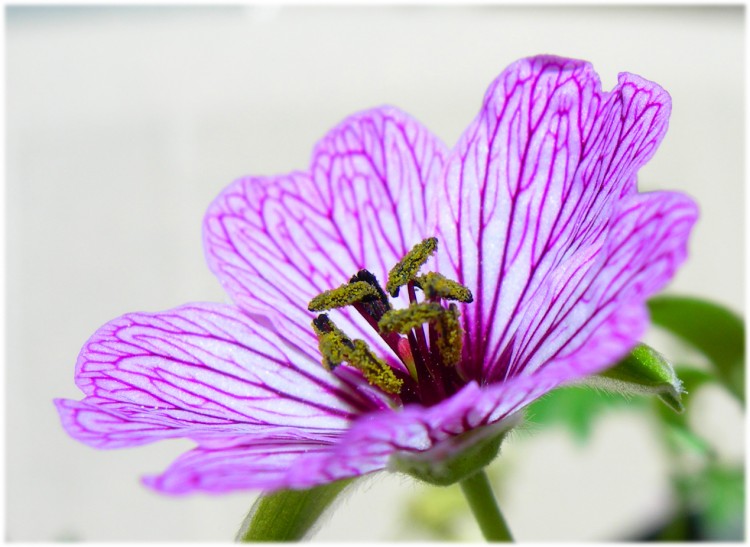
376, 438
367, 447
591, 310
262, 467
205, 371
533, 179
277, 242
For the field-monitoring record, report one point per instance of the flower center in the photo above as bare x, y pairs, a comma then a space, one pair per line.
426, 337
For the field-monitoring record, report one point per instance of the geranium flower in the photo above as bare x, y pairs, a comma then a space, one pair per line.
517, 261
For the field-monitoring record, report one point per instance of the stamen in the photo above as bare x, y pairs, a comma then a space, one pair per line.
345, 295
412, 317
372, 308
333, 343
437, 285
377, 371
424, 355
407, 268
450, 336
368, 277
336, 348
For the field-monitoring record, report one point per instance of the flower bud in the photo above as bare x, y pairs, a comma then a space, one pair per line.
643, 371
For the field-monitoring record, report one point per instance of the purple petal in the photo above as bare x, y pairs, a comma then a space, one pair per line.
376, 438
591, 310
208, 372
367, 447
263, 467
277, 242
535, 178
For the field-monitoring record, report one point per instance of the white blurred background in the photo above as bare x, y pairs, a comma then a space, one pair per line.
123, 123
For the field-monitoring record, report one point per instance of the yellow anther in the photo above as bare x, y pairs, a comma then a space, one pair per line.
412, 317
449, 333
408, 267
333, 343
345, 295
336, 348
377, 371
450, 336
437, 285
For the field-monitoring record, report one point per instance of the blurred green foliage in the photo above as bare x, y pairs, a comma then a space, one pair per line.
577, 408
713, 330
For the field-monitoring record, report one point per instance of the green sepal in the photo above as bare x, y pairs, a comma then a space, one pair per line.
644, 371
288, 515
710, 328
456, 458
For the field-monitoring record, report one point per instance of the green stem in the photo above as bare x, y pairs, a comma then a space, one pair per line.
479, 494
288, 515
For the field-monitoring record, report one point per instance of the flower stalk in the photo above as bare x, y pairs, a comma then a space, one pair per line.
288, 515
484, 506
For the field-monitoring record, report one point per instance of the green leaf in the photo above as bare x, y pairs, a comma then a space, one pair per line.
644, 371
711, 329
288, 515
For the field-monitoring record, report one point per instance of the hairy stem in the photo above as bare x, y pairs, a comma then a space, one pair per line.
482, 501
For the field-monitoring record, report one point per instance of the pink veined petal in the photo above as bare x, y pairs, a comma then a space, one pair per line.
368, 447
535, 178
277, 242
94, 426
92, 423
208, 372
376, 438
591, 310
257, 466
